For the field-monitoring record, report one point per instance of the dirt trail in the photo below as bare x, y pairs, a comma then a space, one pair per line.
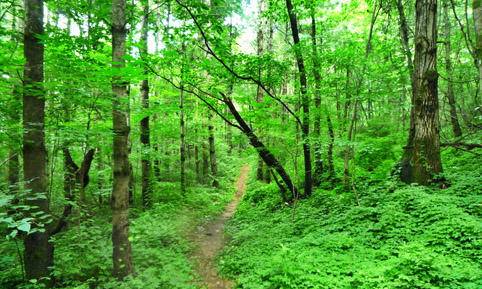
209, 240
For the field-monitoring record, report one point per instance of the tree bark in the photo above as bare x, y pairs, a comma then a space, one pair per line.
38, 254
205, 155
212, 154
305, 99
145, 131
197, 162
121, 257
457, 131
182, 148
477, 11
259, 91
422, 159
270, 160
317, 175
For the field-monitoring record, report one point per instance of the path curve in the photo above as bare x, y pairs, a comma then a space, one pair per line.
210, 239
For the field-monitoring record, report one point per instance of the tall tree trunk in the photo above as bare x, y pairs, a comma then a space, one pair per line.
329, 155
212, 154
448, 67
408, 149
305, 99
477, 10
121, 256
13, 149
424, 157
182, 148
145, 132
38, 254
317, 118
259, 92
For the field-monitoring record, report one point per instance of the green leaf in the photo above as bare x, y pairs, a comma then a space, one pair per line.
25, 227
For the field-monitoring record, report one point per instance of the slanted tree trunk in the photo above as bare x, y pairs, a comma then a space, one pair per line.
454, 121
121, 257
288, 189
317, 175
305, 99
423, 161
212, 154
145, 132
38, 254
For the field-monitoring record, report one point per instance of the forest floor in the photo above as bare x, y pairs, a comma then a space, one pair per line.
209, 239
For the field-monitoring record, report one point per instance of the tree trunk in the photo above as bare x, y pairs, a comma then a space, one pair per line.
423, 158
157, 163
145, 132
212, 154
331, 133
205, 156
259, 92
317, 118
197, 162
38, 254
270, 160
448, 67
477, 10
305, 99
121, 257
182, 148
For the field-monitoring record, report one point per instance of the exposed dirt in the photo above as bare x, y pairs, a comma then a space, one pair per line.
210, 239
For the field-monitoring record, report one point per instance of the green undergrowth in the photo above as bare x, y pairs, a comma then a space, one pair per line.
399, 236
160, 246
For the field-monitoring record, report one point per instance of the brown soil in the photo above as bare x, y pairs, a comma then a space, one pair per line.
210, 239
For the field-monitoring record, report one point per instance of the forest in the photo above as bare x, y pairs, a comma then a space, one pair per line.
250, 144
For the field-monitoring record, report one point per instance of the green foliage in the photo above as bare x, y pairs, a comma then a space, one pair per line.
410, 237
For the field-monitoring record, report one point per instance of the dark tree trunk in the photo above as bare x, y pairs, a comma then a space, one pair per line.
317, 176
121, 257
454, 120
38, 254
270, 160
182, 148
75, 179
197, 161
145, 132
477, 11
330, 166
422, 158
212, 154
305, 99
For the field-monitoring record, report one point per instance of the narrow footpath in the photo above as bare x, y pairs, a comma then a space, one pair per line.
209, 240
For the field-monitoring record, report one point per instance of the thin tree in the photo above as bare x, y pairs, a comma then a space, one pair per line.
305, 99
454, 121
145, 131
